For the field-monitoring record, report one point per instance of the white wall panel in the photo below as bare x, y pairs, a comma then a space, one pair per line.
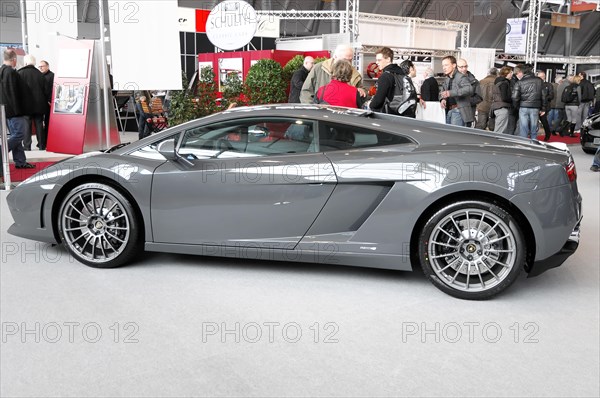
144, 40
390, 35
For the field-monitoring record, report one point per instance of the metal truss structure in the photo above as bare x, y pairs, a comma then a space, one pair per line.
413, 52
533, 10
533, 30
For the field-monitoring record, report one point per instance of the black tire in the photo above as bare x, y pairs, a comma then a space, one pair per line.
472, 250
589, 151
98, 226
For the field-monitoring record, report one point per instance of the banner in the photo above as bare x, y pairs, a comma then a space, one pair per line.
144, 40
516, 36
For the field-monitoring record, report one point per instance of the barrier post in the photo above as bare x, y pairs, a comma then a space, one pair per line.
4, 143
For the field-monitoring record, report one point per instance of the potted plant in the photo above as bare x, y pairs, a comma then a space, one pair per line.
264, 83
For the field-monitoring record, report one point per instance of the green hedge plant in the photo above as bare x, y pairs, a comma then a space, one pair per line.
265, 84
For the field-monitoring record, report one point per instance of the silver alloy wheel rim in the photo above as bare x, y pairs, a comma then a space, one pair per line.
472, 250
95, 225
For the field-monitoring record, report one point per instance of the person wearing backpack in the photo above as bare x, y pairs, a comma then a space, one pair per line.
387, 82
572, 98
587, 97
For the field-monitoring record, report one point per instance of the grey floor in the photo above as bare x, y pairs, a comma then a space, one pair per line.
174, 325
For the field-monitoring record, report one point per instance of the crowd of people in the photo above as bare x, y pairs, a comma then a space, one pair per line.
26, 94
507, 101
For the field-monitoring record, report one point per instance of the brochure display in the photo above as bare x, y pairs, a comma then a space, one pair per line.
77, 124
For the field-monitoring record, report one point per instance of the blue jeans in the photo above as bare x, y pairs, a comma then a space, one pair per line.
528, 122
453, 117
596, 161
555, 116
17, 126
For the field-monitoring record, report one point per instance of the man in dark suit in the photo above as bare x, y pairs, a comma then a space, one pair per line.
37, 85
49, 77
298, 79
430, 90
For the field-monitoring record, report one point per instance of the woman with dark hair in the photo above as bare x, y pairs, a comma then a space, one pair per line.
410, 97
502, 101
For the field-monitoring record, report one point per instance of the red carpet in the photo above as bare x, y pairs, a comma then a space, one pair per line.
558, 138
18, 175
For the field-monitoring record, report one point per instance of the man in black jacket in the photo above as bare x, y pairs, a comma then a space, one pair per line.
14, 94
548, 96
587, 97
49, 77
298, 79
527, 97
37, 84
386, 81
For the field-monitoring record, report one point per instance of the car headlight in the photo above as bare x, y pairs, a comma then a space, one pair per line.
586, 122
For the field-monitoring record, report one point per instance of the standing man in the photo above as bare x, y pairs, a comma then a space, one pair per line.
476, 97
37, 85
547, 97
298, 79
386, 81
320, 75
587, 97
456, 94
483, 108
14, 95
527, 97
49, 87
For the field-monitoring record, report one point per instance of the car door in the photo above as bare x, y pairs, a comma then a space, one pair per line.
245, 182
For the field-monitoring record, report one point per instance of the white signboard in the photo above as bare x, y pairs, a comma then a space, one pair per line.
268, 26
149, 64
231, 24
516, 36
186, 18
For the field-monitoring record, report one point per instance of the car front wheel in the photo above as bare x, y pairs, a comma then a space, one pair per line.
472, 249
98, 226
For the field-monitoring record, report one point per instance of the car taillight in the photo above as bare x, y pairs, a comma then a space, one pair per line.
571, 170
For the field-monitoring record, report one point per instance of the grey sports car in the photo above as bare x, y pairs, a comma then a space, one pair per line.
317, 184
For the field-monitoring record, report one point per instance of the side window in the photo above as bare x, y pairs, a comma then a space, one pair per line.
150, 151
336, 137
248, 138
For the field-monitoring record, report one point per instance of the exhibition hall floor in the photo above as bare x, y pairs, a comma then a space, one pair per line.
177, 325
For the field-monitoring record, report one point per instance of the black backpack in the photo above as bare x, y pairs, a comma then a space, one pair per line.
402, 101
569, 94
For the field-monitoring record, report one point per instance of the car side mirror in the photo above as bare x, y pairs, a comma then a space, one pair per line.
167, 149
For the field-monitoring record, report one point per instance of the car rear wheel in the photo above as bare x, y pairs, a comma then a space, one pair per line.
98, 226
472, 249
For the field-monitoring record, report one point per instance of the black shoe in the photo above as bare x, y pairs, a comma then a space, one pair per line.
595, 168
26, 166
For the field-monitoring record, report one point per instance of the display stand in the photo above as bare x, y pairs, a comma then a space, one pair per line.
77, 124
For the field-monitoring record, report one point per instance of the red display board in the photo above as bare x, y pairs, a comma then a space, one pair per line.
76, 120
280, 56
